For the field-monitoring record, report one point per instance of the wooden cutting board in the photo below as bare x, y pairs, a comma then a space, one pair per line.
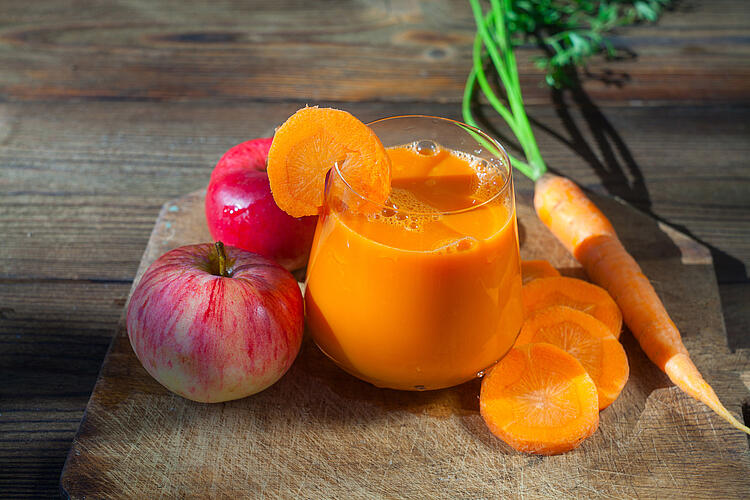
320, 433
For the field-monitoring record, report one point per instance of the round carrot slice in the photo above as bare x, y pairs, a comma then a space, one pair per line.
309, 144
539, 399
578, 294
585, 338
535, 269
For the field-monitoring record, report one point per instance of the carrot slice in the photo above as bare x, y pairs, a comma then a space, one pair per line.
535, 269
309, 144
539, 399
578, 294
585, 338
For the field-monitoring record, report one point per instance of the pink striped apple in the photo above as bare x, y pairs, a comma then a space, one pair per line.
214, 323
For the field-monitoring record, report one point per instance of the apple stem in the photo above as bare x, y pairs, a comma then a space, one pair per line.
222, 259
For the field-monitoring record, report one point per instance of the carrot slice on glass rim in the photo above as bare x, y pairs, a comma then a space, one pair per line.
585, 338
309, 144
539, 399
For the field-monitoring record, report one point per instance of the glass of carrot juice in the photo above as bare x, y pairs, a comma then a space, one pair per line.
423, 291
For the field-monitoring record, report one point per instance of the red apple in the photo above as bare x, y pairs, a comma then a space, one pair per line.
241, 211
211, 337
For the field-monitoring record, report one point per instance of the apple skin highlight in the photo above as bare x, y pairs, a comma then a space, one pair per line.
211, 338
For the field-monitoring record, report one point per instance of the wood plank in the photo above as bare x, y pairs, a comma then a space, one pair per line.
321, 433
39, 413
53, 336
735, 298
395, 51
97, 182
50, 326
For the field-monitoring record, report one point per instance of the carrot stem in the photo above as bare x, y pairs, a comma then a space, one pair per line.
515, 162
500, 52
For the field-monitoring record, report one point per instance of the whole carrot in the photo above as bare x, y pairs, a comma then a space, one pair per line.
589, 236
563, 207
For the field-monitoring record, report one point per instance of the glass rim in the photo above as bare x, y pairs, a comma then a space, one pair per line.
468, 128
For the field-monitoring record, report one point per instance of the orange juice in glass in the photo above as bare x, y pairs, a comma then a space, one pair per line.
424, 291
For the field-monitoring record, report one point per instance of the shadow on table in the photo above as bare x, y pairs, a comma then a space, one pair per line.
617, 167
612, 161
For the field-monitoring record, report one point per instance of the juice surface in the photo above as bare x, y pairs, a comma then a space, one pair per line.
424, 293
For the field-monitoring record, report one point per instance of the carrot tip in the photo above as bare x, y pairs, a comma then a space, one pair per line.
685, 375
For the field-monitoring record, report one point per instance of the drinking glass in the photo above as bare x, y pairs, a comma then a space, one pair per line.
422, 291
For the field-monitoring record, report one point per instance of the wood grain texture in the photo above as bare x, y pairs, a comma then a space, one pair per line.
81, 183
83, 174
400, 50
320, 433
105, 168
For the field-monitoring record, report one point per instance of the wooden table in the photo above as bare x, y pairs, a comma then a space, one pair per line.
107, 111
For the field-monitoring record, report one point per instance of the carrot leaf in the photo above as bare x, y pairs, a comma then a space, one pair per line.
570, 32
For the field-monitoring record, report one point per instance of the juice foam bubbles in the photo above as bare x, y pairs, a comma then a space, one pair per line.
424, 209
